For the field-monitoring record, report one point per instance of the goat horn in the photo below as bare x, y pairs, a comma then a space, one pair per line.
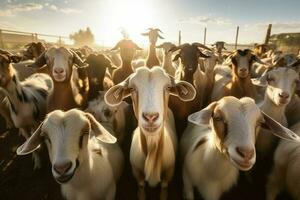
201, 46
173, 49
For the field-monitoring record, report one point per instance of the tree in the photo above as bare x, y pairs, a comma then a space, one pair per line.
83, 37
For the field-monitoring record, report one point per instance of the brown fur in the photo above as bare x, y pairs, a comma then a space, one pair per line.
240, 88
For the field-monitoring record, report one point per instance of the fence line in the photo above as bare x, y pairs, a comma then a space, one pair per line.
11, 38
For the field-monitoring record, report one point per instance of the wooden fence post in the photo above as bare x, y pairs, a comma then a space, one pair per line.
179, 38
268, 35
1, 40
204, 39
236, 37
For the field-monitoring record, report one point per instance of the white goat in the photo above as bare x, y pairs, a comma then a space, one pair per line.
285, 173
85, 168
281, 84
222, 143
153, 147
113, 117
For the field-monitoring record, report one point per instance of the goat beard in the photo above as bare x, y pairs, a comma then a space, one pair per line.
153, 159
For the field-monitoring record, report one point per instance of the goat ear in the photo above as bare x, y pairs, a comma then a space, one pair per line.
99, 131
224, 48
160, 46
182, 89
202, 55
256, 59
77, 60
203, 116
145, 34
278, 130
176, 57
161, 37
262, 81
15, 58
117, 93
116, 47
228, 60
40, 61
32, 143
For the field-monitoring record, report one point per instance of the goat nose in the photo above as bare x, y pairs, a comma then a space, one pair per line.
58, 70
62, 168
245, 153
284, 95
243, 69
150, 117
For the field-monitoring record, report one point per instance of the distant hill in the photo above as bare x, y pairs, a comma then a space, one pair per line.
288, 42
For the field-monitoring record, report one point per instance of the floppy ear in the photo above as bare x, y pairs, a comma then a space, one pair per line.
32, 143
228, 60
145, 34
176, 57
281, 62
183, 90
262, 81
224, 48
117, 93
40, 61
203, 116
161, 37
77, 60
256, 59
15, 58
136, 46
202, 55
99, 131
159, 46
116, 47
278, 130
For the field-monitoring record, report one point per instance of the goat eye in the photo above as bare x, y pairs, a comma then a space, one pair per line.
270, 79
107, 113
46, 138
218, 118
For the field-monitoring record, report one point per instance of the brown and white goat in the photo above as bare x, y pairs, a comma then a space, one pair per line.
69, 91
127, 51
154, 142
27, 100
240, 84
153, 35
222, 143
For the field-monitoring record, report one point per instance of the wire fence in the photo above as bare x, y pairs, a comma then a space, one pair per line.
11, 39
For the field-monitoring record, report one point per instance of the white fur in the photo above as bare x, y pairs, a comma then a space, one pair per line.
100, 164
117, 115
212, 167
285, 173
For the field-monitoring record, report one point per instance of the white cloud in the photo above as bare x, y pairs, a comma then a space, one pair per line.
63, 10
69, 10
11, 10
204, 20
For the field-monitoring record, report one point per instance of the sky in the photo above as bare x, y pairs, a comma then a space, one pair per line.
107, 18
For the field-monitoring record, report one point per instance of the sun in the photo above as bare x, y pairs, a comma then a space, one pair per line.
130, 16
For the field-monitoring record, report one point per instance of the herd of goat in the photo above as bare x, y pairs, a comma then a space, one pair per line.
211, 112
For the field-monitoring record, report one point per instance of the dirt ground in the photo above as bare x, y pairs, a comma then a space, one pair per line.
19, 181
